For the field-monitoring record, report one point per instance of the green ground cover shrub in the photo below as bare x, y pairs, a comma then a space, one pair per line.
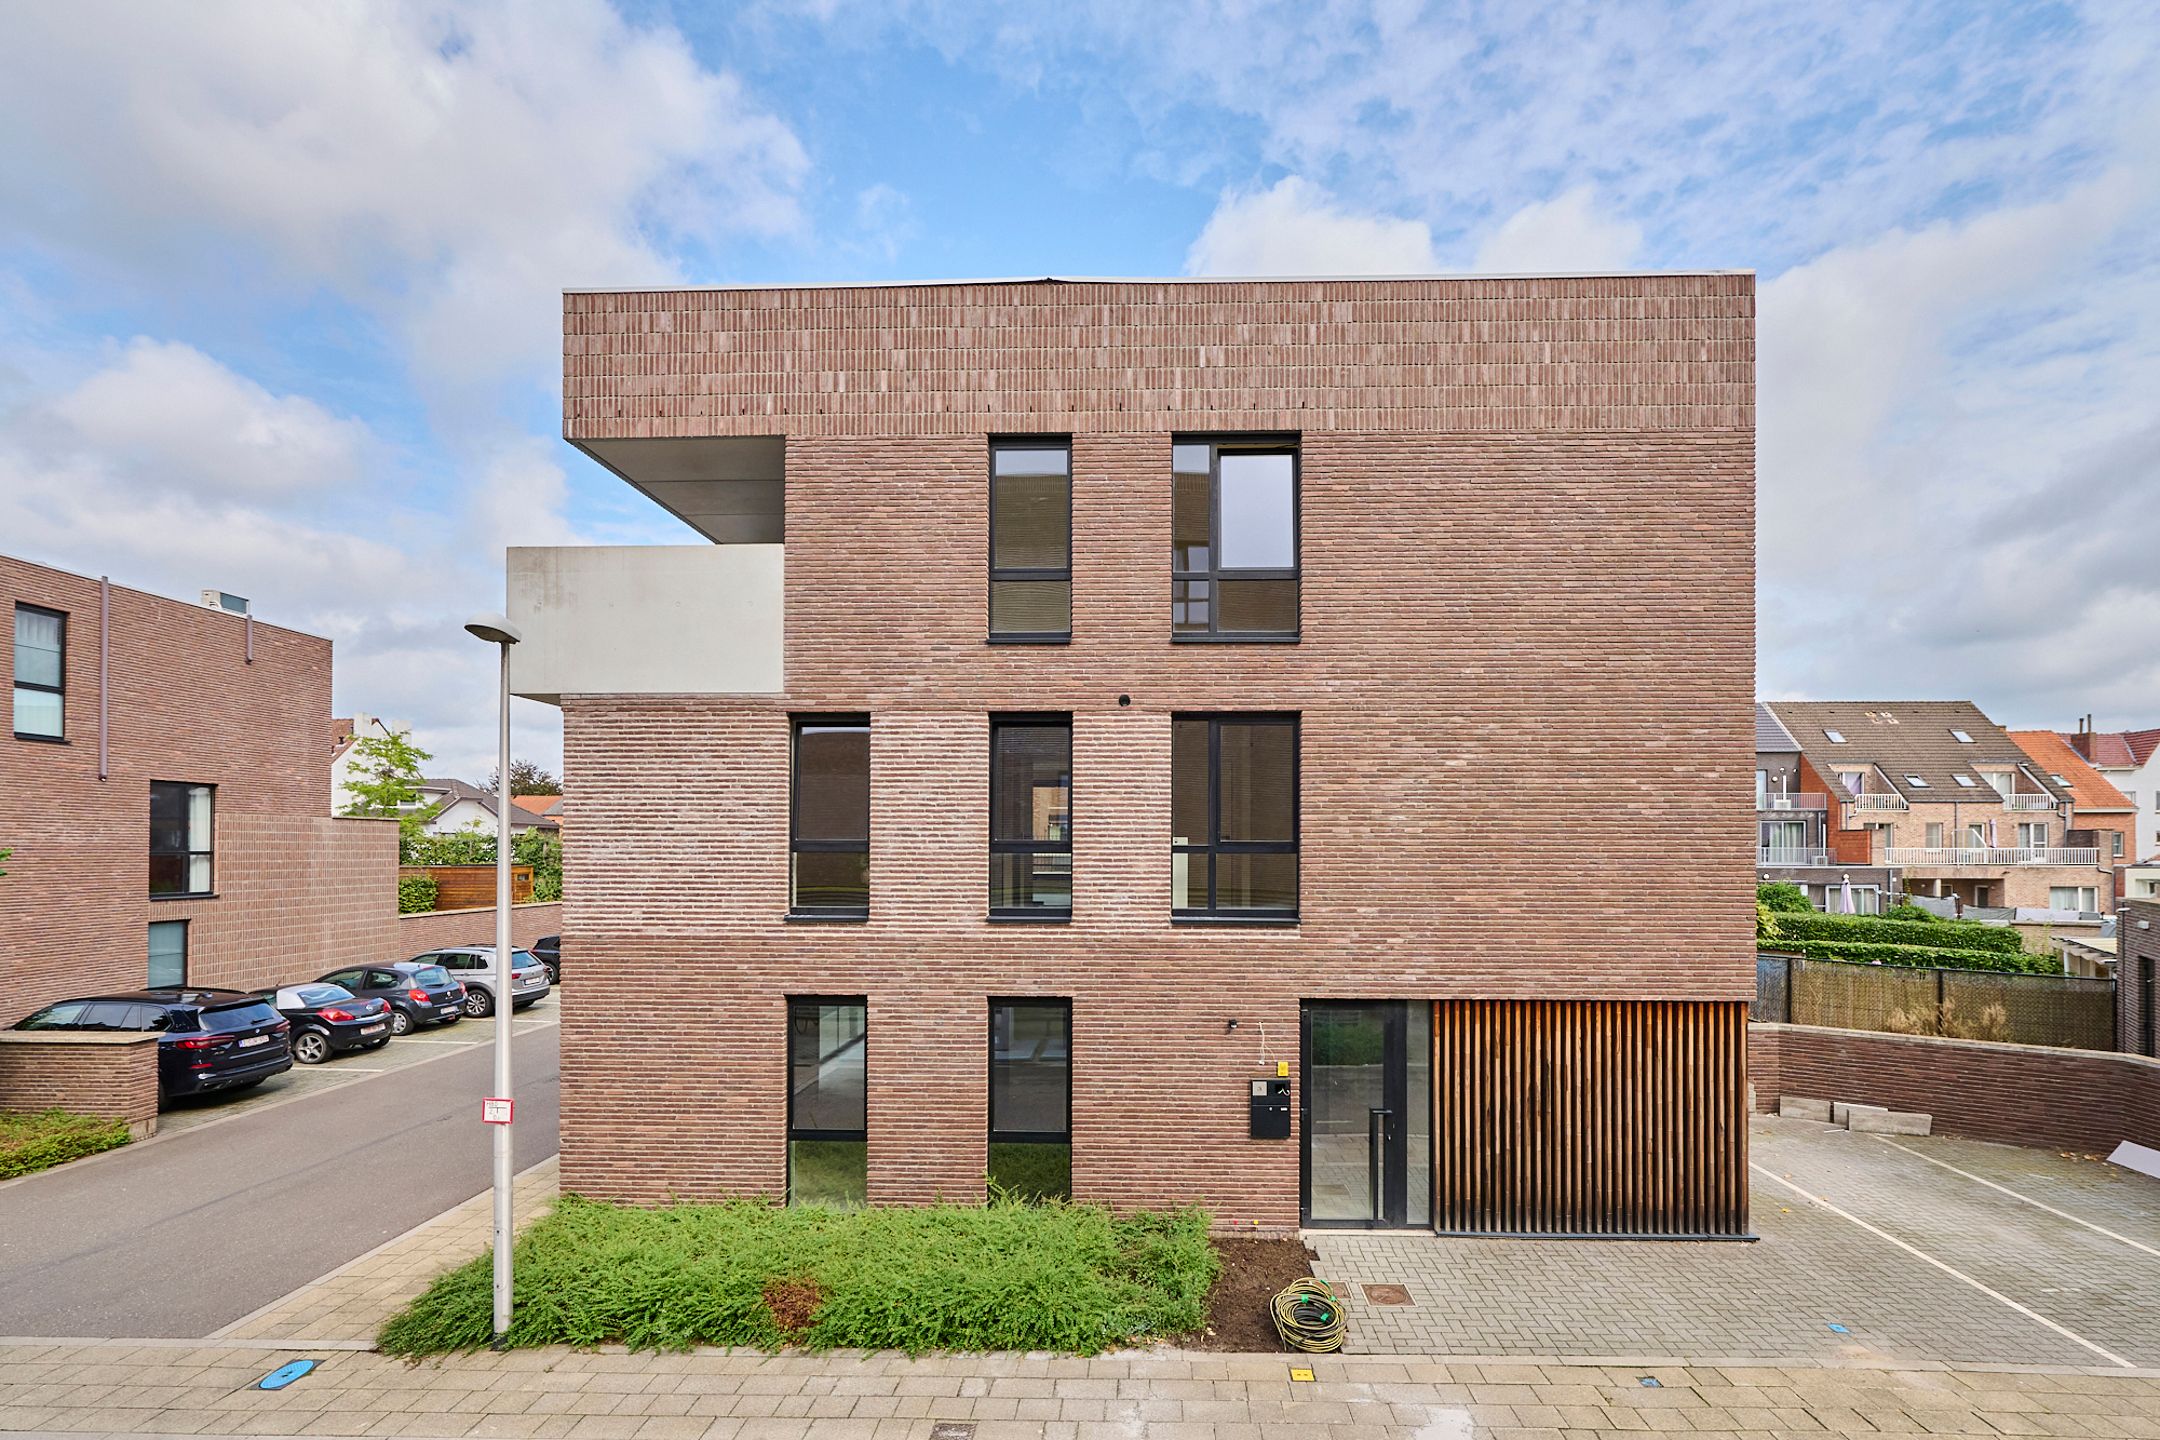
40, 1139
1071, 1278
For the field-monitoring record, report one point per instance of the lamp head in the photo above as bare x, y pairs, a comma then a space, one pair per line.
495, 629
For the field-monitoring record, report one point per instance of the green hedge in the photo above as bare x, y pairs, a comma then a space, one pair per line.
1863, 953
41, 1139
1784, 899
416, 894
1930, 934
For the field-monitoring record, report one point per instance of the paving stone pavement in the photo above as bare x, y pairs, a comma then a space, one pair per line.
191, 1388
1811, 1269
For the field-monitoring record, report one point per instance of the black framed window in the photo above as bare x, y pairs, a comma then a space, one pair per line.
40, 673
829, 817
1234, 816
1031, 541
1031, 1099
168, 954
1031, 817
182, 823
1234, 539
828, 1089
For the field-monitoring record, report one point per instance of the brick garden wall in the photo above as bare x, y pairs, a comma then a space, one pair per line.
437, 928
1527, 547
2081, 1100
114, 1076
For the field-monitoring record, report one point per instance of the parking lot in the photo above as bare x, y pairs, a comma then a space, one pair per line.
1871, 1250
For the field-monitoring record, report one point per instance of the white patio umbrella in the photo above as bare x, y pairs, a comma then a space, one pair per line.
1845, 905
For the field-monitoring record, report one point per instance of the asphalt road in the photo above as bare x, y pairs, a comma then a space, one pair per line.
189, 1233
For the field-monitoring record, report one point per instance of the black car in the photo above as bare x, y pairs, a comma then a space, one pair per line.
418, 993
208, 1040
548, 951
330, 1020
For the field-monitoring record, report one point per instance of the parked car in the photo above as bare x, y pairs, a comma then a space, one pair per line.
475, 966
330, 1020
548, 951
208, 1040
417, 993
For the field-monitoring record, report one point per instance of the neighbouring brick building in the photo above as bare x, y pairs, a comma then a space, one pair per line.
1165, 741
2137, 1000
1793, 825
163, 789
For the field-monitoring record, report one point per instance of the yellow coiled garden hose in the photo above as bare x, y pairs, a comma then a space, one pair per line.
1308, 1316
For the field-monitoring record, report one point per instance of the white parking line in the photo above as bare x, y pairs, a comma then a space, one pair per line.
1951, 1270
2037, 1204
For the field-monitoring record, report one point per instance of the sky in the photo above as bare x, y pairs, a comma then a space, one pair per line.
279, 282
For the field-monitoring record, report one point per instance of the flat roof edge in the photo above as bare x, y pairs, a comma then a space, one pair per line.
1158, 280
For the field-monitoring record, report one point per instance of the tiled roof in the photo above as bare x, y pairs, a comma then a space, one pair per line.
1771, 736
2103, 747
1905, 738
538, 804
2088, 787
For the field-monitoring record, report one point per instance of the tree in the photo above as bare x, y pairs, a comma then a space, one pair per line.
385, 783
527, 778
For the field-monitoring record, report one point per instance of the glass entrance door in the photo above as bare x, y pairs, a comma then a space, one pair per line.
1367, 1113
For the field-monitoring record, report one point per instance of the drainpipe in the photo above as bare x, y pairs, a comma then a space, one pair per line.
251, 635
104, 653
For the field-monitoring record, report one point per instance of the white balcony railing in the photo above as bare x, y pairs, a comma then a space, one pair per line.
1768, 800
1771, 856
1991, 856
1876, 800
2029, 802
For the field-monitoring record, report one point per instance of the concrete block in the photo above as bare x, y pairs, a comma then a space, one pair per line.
1799, 1107
1874, 1120
1841, 1109
1843, 1112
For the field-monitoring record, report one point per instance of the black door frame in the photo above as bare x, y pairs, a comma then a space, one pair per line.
1394, 1152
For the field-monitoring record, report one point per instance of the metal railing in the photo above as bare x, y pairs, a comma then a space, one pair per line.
2028, 802
1877, 800
1795, 855
1991, 855
2058, 1010
1799, 800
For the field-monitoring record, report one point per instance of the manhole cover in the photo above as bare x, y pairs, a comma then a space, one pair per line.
1386, 1295
952, 1430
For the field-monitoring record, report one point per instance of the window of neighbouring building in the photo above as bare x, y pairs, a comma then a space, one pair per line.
1234, 540
1934, 835
2032, 835
182, 823
40, 673
168, 954
1031, 1098
827, 1117
829, 817
1031, 871
1031, 541
2073, 897
2117, 838
1234, 816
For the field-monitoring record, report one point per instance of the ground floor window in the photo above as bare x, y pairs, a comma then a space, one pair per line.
168, 954
2073, 897
1031, 1098
1866, 899
828, 1137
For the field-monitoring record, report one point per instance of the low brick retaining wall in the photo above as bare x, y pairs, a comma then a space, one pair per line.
87, 1072
2084, 1100
433, 929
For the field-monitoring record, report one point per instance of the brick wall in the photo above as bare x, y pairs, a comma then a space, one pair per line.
186, 705
1527, 548
437, 928
2015, 1094
2137, 942
106, 1075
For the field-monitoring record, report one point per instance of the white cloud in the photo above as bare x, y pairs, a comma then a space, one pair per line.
1559, 236
1295, 228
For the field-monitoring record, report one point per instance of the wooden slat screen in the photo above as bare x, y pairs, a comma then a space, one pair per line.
1562, 1117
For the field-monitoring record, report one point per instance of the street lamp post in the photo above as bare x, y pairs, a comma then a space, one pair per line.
498, 631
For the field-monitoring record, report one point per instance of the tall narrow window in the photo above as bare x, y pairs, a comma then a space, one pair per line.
1031, 1098
827, 1119
829, 817
1234, 816
181, 826
1234, 540
1030, 541
1031, 817
40, 673
168, 954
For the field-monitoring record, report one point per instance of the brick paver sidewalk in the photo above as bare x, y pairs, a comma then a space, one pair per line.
182, 1388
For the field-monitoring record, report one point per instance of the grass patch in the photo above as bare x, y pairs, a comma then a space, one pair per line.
1072, 1278
40, 1139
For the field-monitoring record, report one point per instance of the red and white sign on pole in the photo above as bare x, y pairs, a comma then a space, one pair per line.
496, 1112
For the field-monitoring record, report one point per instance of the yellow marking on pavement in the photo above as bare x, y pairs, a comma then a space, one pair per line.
1300, 1373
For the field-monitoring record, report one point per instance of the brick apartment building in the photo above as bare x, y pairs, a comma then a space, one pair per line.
1154, 741
1944, 796
1793, 825
163, 785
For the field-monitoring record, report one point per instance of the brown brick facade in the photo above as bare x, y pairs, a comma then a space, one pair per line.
2137, 1006
1527, 636
111, 1076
